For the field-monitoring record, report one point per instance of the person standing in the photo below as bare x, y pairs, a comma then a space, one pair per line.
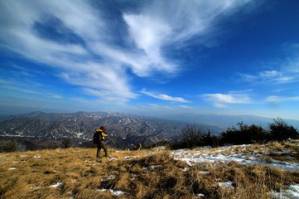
99, 137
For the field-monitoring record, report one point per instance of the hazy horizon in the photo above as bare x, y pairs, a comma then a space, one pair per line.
216, 121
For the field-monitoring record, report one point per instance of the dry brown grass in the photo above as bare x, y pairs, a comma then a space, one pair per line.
147, 174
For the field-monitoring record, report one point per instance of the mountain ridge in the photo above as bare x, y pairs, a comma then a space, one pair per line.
125, 130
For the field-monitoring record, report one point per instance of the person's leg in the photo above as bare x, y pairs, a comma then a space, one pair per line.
105, 150
98, 150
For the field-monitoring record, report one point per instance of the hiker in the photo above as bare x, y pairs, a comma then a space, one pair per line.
99, 137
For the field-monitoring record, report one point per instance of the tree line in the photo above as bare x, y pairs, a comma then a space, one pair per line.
279, 130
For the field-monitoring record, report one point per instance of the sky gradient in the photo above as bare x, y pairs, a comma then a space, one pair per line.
195, 56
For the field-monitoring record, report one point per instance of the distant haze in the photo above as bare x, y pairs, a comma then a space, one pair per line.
213, 120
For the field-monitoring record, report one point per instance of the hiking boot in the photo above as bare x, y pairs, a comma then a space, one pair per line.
98, 159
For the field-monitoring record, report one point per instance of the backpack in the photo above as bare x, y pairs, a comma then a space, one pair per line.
96, 138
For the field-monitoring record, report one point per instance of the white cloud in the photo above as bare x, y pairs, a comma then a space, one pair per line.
271, 76
286, 70
278, 99
154, 26
162, 23
19, 35
149, 35
222, 100
165, 97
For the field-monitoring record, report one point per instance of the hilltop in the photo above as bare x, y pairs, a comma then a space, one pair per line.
240, 171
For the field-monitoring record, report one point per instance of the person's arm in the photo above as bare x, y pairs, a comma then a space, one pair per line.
104, 134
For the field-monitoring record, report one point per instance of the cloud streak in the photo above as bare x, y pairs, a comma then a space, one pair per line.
222, 100
164, 97
279, 99
271, 76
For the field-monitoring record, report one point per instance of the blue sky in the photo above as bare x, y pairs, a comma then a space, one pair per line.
172, 56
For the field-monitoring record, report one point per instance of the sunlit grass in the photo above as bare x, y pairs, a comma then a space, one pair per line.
75, 173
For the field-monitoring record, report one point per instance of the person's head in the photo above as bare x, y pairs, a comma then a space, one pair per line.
100, 129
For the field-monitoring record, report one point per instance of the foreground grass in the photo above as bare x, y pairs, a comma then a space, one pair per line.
74, 173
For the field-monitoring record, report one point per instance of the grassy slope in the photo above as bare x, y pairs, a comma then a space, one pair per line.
147, 174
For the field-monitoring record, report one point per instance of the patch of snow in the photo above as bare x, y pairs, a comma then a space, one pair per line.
292, 192
203, 172
56, 185
12, 168
17, 135
192, 157
130, 157
116, 192
113, 192
78, 135
185, 169
152, 167
189, 163
112, 158
200, 195
226, 185
37, 156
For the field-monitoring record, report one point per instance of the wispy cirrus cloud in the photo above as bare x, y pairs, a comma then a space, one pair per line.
287, 73
164, 97
271, 76
75, 61
279, 99
224, 99
162, 23
85, 49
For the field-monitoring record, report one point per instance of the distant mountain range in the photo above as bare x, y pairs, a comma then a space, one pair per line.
124, 129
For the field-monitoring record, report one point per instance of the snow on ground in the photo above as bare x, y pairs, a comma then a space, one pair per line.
56, 185
130, 157
112, 158
200, 195
153, 167
113, 192
185, 169
226, 185
228, 154
292, 192
37, 156
203, 172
